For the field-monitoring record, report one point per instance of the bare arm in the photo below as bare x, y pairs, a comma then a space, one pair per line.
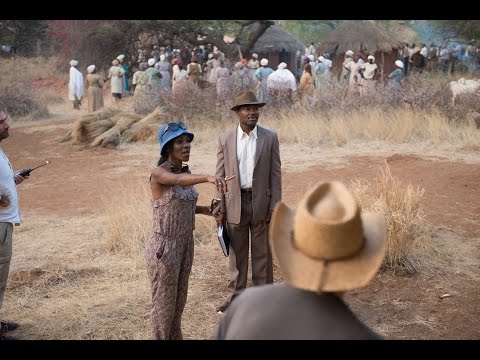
4, 199
204, 210
164, 177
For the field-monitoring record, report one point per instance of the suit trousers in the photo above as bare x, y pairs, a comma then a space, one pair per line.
244, 235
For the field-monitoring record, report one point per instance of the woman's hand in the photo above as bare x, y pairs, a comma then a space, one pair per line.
221, 182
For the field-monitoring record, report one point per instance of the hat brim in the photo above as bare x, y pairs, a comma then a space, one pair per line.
259, 104
172, 135
316, 275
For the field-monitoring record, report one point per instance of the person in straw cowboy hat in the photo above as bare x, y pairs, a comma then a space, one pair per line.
324, 248
252, 153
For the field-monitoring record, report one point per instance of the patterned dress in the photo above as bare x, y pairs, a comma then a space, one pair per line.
173, 225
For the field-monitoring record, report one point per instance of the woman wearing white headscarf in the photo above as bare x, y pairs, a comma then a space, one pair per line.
155, 83
262, 75
164, 67
94, 89
75, 85
208, 68
121, 59
281, 85
252, 65
116, 74
223, 83
143, 101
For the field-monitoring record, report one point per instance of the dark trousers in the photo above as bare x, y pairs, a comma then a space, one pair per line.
254, 235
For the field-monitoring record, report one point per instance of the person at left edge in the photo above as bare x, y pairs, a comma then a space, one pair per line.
9, 215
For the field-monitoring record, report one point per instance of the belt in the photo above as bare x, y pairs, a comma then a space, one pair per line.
246, 191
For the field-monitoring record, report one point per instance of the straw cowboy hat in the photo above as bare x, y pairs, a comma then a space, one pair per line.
327, 245
246, 97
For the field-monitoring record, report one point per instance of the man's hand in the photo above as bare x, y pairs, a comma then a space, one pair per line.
4, 201
269, 216
19, 179
219, 218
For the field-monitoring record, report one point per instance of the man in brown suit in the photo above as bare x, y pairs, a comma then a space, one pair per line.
324, 248
252, 153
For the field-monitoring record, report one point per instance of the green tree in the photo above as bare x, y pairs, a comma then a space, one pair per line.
308, 31
27, 36
458, 30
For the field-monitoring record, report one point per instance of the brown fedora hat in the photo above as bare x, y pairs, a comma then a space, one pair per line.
327, 244
246, 97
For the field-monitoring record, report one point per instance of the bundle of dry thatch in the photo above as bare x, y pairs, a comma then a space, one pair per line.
109, 127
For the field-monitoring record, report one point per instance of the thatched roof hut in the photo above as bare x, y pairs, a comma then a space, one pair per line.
362, 37
403, 33
278, 45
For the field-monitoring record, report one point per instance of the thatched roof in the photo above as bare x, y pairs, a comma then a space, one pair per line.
359, 36
275, 39
402, 32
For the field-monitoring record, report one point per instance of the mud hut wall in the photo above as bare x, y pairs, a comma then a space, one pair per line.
388, 63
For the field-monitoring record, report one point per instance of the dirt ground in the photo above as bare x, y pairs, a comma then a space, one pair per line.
400, 307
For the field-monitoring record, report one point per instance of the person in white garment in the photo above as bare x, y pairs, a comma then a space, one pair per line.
75, 85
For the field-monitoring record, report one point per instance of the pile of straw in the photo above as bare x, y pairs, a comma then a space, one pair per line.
110, 127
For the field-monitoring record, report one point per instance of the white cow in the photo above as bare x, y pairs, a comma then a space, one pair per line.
463, 86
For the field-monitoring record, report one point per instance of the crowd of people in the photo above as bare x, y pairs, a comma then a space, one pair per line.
174, 73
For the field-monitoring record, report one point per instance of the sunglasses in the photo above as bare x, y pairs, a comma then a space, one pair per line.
173, 127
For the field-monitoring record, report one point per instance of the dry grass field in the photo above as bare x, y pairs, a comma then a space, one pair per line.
78, 270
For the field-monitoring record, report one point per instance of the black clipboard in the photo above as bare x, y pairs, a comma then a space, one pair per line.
223, 239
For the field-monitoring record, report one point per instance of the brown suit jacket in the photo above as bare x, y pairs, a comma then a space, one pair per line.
267, 181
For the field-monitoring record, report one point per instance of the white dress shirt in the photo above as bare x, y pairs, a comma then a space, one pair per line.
246, 148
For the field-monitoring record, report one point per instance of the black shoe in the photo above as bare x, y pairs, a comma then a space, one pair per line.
226, 303
6, 337
7, 326
223, 306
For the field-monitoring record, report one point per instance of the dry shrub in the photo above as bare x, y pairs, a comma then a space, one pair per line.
409, 243
197, 104
128, 218
25, 92
21, 101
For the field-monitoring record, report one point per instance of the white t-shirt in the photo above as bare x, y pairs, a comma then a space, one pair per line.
369, 71
10, 214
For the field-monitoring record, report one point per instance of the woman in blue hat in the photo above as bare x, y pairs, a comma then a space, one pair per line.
169, 251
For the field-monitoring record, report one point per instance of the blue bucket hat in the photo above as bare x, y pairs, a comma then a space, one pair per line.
171, 131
